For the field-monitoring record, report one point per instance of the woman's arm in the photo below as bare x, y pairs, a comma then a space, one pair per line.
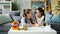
35, 20
23, 20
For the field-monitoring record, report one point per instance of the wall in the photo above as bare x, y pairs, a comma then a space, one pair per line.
53, 5
23, 4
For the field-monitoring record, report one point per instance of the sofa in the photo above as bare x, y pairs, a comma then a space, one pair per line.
5, 23
55, 22
6, 19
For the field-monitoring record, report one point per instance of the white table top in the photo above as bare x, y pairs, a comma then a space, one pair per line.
36, 29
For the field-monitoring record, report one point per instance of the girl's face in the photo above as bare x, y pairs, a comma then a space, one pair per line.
38, 13
29, 15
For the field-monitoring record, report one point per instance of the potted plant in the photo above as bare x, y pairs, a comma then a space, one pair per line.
14, 6
59, 4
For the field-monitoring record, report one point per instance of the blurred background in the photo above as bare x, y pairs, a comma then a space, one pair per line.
7, 6
12, 10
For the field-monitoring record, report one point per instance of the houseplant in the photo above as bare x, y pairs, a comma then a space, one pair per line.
59, 4
15, 6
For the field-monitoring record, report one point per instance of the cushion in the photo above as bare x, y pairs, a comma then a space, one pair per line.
5, 18
56, 18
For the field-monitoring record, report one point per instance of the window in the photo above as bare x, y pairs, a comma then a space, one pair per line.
34, 4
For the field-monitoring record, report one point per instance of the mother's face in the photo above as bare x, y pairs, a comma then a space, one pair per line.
30, 14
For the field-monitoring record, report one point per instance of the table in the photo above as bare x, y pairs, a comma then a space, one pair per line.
34, 30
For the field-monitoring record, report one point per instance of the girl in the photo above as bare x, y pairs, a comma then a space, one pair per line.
40, 16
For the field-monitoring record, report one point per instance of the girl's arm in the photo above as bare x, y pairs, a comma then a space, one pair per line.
43, 23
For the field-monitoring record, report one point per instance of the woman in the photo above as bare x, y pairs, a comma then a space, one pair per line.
40, 16
27, 19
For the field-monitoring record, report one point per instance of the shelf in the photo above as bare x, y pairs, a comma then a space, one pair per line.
37, 0
6, 5
0, 12
5, 1
57, 8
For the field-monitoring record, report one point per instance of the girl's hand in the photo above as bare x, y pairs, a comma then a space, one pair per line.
37, 25
42, 23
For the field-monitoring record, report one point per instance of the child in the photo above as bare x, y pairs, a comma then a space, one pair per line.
40, 16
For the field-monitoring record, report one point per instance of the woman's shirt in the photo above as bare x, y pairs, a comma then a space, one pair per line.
26, 21
23, 20
39, 20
